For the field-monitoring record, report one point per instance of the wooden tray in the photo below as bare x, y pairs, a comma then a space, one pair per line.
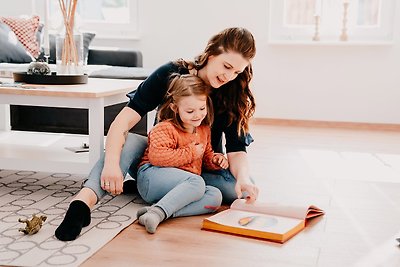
50, 79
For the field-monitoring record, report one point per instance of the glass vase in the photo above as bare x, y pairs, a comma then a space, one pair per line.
69, 53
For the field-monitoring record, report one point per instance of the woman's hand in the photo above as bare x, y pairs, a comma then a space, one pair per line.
239, 167
112, 179
251, 191
220, 160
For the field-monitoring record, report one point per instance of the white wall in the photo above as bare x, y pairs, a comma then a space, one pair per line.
328, 83
16, 7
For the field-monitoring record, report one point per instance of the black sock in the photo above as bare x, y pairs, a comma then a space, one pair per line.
77, 216
129, 187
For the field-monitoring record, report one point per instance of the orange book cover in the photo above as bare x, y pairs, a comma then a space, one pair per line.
270, 221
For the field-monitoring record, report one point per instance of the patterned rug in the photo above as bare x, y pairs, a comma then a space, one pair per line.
23, 194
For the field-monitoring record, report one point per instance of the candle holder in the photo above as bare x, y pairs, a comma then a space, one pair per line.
69, 53
316, 32
343, 35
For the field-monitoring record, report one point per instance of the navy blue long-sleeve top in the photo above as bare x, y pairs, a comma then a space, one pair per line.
151, 92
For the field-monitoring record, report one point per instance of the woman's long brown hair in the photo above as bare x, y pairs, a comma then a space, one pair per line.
235, 97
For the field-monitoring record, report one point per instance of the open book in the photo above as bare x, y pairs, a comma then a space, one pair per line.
271, 221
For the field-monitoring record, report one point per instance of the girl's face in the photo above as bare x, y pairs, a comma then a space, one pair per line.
223, 68
192, 110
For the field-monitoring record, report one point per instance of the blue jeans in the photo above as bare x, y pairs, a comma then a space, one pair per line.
130, 157
177, 192
224, 181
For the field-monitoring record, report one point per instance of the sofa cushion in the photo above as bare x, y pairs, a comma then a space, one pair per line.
25, 29
11, 50
40, 37
119, 57
116, 72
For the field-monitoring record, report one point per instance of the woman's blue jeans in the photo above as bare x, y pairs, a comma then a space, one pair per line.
177, 192
131, 155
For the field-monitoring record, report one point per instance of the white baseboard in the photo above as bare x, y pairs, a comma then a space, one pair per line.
328, 124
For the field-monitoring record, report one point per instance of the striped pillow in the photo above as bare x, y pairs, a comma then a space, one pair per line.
25, 29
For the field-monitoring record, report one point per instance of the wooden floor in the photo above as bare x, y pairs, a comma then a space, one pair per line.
354, 175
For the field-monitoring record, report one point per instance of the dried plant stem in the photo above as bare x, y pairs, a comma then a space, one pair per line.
69, 52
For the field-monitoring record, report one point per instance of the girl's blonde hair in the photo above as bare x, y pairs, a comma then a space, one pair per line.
234, 97
182, 85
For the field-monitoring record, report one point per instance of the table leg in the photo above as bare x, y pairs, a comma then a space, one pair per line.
96, 130
5, 124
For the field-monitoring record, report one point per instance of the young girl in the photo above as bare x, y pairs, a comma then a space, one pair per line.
178, 149
225, 65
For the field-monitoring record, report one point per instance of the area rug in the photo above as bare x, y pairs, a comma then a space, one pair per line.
23, 194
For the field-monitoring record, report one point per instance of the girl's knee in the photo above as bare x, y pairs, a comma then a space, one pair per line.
197, 185
143, 189
198, 181
214, 196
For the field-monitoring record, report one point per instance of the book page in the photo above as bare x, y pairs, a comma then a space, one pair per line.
314, 211
255, 221
273, 208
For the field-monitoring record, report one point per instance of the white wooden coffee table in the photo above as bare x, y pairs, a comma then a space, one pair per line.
46, 151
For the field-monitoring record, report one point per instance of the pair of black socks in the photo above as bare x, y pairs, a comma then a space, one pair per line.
77, 217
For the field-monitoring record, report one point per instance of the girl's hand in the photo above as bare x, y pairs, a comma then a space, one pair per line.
220, 160
199, 148
112, 180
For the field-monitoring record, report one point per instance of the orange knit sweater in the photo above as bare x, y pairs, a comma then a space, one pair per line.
168, 146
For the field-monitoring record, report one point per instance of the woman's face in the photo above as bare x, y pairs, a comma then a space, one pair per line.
223, 68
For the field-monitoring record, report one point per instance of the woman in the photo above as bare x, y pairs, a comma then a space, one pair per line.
225, 65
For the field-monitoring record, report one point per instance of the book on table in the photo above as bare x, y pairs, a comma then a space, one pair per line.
272, 221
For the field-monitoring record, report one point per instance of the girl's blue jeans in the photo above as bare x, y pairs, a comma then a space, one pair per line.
177, 192
131, 155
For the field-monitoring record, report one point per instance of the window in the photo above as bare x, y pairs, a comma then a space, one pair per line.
107, 18
368, 13
366, 20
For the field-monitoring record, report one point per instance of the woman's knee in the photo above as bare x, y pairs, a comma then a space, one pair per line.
132, 152
228, 176
135, 142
